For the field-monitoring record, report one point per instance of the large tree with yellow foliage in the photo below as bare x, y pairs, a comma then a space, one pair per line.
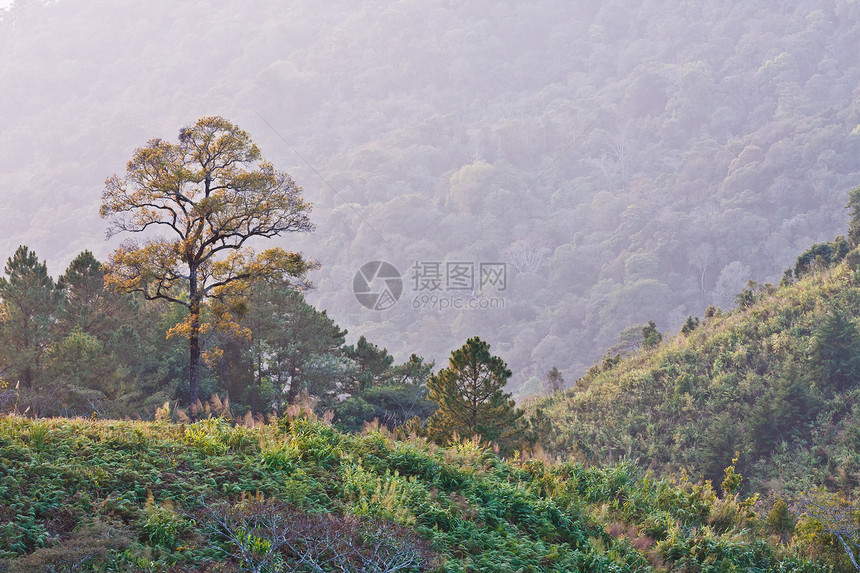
212, 194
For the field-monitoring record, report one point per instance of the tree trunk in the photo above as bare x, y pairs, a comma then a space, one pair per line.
194, 347
473, 423
258, 392
27, 376
194, 366
294, 387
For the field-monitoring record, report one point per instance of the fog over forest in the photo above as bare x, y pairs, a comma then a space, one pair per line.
627, 161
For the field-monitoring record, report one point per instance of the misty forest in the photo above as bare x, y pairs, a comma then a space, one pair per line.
429, 286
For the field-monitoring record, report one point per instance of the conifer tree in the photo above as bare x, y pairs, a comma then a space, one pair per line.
690, 325
651, 337
836, 349
297, 343
29, 303
90, 349
554, 380
88, 305
373, 365
470, 397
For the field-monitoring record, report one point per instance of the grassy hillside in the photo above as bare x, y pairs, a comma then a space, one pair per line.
776, 380
126, 496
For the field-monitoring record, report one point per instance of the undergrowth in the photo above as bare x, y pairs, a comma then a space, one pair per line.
88, 495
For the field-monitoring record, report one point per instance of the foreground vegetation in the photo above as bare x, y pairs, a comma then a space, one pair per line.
147, 496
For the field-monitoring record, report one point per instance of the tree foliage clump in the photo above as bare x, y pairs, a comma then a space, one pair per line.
554, 380
835, 349
651, 337
294, 346
821, 256
690, 325
393, 394
89, 350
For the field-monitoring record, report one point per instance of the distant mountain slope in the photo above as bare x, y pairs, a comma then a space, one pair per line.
777, 380
630, 161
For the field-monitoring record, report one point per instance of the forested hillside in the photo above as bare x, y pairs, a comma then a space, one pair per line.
630, 161
773, 384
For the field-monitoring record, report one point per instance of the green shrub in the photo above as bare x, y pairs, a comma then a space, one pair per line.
162, 523
779, 519
91, 545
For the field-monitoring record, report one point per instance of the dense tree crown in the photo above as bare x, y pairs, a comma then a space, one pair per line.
470, 396
29, 302
295, 344
212, 194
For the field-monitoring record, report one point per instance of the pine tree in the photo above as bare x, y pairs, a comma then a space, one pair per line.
690, 325
393, 396
836, 349
91, 352
89, 306
373, 365
554, 380
213, 195
29, 304
651, 337
470, 397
